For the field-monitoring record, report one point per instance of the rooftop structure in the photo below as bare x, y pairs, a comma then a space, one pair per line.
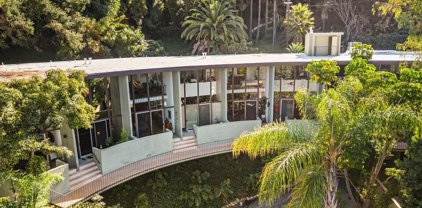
127, 66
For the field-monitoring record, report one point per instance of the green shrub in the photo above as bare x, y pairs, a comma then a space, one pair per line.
363, 51
159, 181
141, 201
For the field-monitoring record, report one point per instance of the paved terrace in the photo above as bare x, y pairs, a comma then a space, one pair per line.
126, 66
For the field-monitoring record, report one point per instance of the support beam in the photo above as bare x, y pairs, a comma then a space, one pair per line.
222, 92
177, 104
269, 91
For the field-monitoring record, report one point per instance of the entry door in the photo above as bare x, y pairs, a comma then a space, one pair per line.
204, 114
287, 109
251, 110
101, 133
85, 142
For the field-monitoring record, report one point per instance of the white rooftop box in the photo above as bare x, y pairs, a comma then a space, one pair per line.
323, 44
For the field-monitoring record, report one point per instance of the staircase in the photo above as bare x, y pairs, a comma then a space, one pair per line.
188, 142
87, 173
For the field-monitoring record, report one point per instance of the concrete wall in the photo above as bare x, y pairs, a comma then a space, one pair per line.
192, 114
123, 154
63, 186
223, 131
204, 89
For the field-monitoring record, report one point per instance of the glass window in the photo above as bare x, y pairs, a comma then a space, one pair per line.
147, 93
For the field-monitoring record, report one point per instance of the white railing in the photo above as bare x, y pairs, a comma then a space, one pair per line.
138, 168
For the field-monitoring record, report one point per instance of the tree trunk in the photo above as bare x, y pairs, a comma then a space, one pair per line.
330, 200
349, 190
259, 20
250, 19
266, 17
274, 20
375, 172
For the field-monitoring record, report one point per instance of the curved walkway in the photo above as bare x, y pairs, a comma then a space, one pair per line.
139, 168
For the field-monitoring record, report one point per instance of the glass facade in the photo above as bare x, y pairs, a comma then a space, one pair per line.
147, 97
244, 91
198, 96
287, 81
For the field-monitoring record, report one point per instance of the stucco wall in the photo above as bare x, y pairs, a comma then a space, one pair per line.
223, 131
123, 154
62, 169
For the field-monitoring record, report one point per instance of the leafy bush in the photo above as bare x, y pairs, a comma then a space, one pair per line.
159, 181
200, 193
323, 71
363, 51
141, 201
225, 190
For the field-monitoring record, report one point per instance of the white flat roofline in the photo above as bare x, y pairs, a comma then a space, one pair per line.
134, 65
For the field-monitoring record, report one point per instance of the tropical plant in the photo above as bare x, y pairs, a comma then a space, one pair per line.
355, 126
215, 23
299, 21
296, 48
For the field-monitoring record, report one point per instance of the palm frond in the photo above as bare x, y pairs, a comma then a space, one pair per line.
310, 192
285, 171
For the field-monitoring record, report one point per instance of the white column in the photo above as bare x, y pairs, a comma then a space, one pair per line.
57, 137
222, 92
69, 140
269, 91
168, 82
177, 104
120, 104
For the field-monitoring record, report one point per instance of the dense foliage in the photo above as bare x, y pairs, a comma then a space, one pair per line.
65, 28
29, 110
208, 182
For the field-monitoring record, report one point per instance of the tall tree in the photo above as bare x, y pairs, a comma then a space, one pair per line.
299, 21
259, 20
348, 13
408, 13
216, 23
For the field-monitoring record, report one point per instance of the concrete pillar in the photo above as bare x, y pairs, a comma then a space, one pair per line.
120, 104
57, 138
177, 104
269, 91
69, 140
222, 92
168, 82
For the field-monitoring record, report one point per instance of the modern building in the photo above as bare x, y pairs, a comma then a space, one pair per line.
175, 109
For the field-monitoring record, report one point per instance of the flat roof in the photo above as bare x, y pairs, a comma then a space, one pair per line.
127, 66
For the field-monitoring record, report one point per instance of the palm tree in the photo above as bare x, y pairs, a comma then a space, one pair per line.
299, 21
307, 152
214, 22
